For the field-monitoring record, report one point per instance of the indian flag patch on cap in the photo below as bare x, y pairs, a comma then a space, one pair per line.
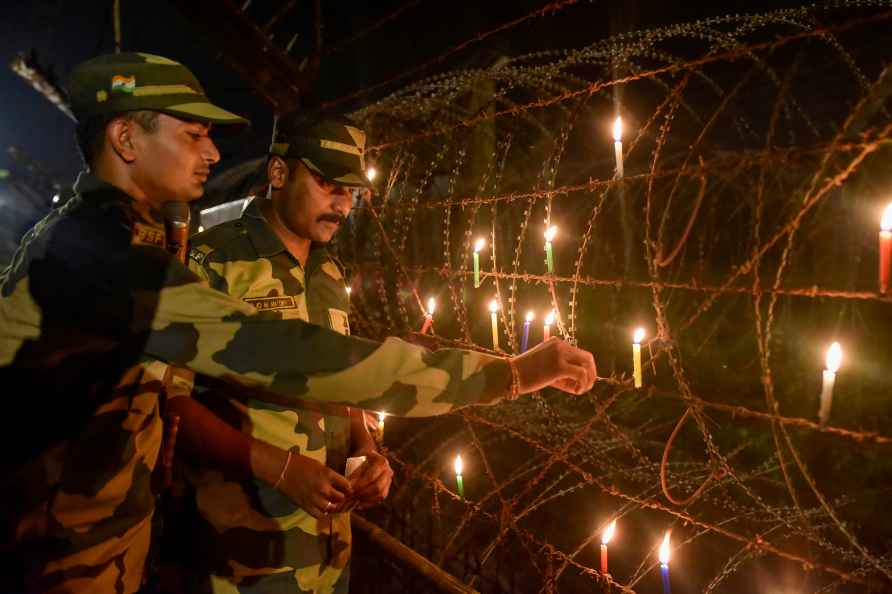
123, 84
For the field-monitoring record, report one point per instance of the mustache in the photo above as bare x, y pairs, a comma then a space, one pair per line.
332, 218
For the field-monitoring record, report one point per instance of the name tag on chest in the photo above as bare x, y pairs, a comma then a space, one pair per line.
272, 303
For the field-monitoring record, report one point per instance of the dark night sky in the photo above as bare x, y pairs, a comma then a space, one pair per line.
65, 32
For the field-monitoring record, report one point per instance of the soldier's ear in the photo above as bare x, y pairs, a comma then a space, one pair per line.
277, 172
119, 136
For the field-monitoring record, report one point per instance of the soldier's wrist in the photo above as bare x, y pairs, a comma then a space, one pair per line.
267, 462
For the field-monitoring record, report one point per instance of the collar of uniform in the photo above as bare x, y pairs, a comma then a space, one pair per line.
91, 188
88, 184
266, 242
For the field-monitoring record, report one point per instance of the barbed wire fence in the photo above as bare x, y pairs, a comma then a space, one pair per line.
743, 237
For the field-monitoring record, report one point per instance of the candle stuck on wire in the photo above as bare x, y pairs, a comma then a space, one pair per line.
833, 359
618, 145
429, 315
493, 312
459, 484
664, 564
606, 536
549, 255
478, 245
381, 416
546, 329
525, 337
636, 355
885, 248
371, 173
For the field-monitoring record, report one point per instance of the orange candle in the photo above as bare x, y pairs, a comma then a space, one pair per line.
605, 538
549, 320
885, 248
429, 316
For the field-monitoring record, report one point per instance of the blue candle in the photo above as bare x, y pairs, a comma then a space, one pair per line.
664, 564
524, 340
664, 569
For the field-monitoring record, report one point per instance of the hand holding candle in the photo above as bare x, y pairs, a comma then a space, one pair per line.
618, 145
636, 355
459, 485
493, 312
549, 255
605, 538
833, 361
546, 330
664, 564
478, 245
525, 338
885, 248
429, 316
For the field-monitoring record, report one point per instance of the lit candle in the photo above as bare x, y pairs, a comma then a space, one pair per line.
459, 485
605, 538
833, 360
636, 355
549, 256
549, 320
349, 292
885, 248
618, 145
478, 245
664, 564
381, 416
429, 316
370, 173
524, 340
493, 313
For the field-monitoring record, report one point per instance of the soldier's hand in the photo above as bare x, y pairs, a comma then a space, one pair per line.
316, 488
556, 364
371, 481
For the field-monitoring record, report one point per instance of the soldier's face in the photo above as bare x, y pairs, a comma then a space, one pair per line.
309, 206
174, 160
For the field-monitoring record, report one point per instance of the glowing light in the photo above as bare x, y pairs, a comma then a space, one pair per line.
834, 357
55, 198
479, 245
638, 336
886, 219
550, 233
530, 316
200, 228
370, 173
431, 306
549, 319
664, 550
618, 129
458, 465
381, 416
608, 532
493, 306
349, 290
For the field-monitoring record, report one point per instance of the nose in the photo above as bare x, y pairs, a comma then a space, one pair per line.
209, 151
342, 202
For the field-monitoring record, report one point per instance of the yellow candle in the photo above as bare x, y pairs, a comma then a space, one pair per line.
833, 360
636, 355
381, 427
493, 312
618, 145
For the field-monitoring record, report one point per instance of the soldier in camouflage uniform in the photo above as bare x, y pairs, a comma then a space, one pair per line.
93, 309
274, 257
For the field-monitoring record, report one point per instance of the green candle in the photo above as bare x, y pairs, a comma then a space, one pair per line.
549, 257
479, 245
459, 485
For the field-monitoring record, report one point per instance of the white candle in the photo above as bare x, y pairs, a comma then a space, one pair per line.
833, 360
636, 356
618, 145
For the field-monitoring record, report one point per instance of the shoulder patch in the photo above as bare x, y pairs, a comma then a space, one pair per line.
198, 254
332, 270
144, 234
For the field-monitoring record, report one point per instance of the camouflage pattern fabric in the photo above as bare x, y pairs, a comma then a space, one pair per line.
91, 309
244, 536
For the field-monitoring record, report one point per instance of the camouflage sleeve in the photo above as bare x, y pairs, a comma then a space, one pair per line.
93, 280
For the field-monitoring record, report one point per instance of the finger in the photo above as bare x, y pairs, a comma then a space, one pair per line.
573, 379
339, 483
335, 497
373, 472
585, 360
170, 445
377, 492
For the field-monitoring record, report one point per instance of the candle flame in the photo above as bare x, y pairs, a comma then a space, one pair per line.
381, 416
549, 319
638, 336
886, 219
530, 316
618, 129
349, 290
608, 532
370, 173
664, 550
431, 306
479, 244
493, 306
550, 233
834, 357
458, 465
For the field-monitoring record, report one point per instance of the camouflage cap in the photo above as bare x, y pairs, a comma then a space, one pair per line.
331, 147
117, 83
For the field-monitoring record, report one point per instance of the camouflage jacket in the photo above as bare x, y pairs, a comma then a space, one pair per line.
91, 309
262, 540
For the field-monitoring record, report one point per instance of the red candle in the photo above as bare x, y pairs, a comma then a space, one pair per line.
429, 316
605, 538
885, 248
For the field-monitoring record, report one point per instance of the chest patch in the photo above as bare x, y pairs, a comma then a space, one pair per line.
147, 235
271, 303
338, 320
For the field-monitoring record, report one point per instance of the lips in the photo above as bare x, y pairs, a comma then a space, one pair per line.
202, 175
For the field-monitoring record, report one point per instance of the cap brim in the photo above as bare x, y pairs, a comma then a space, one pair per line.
351, 178
206, 112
